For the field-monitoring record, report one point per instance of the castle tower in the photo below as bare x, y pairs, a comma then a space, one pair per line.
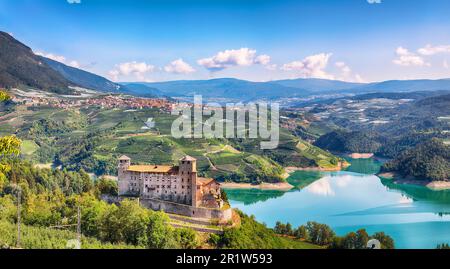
188, 174
124, 164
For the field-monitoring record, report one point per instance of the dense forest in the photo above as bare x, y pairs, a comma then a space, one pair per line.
429, 160
412, 138
354, 142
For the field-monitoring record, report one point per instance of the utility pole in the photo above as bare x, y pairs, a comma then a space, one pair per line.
79, 225
19, 198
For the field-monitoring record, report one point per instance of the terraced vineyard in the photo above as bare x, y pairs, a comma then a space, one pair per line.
92, 138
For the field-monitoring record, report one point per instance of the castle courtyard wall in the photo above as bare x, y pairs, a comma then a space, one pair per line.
186, 210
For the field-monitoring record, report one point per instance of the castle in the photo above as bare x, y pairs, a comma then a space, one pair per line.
174, 189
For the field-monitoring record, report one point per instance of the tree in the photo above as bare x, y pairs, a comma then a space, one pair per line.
386, 241
9, 146
288, 229
126, 223
187, 238
280, 228
159, 233
361, 239
302, 233
350, 241
106, 186
86, 181
4, 96
224, 196
320, 234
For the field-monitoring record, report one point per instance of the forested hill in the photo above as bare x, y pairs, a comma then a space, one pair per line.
19, 66
428, 161
407, 126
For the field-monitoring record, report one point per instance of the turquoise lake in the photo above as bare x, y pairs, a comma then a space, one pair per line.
414, 216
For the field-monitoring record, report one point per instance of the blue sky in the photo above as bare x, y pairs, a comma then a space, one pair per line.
258, 40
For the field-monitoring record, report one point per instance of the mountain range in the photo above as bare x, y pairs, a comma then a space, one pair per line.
80, 77
20, 67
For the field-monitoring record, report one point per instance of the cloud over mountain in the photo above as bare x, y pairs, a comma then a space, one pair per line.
311, 67
179, 67
58, 58
407, 58
136, 69
230, 58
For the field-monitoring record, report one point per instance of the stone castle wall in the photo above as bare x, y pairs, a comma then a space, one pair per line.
189, 211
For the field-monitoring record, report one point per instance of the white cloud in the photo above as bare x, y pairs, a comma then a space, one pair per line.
359, 79
445, 64
430, 50
74, 64
54, 57
311, 67
74, 1
346, 73
179, 67
136, 69
263, 59
271, 67
230, 58
374, 1
407, 58
58, 58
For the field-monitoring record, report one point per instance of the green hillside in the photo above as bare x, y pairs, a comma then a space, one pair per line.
93, 138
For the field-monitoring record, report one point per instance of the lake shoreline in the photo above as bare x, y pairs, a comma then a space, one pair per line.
361, 155
340, 167
282, 186
400, 180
